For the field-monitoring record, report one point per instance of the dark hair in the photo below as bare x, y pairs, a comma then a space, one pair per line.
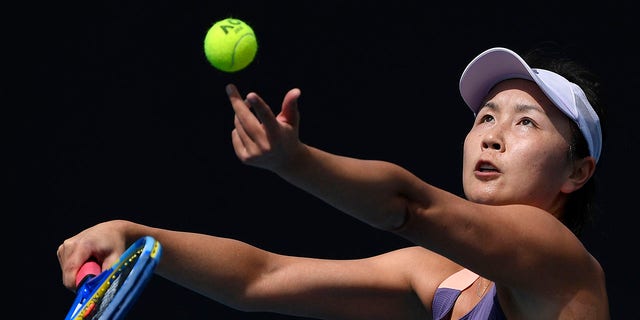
580, 208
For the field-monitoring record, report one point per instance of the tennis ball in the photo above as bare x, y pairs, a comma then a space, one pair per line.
230, 45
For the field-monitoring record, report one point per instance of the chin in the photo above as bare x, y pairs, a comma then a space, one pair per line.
486, 198
482, 195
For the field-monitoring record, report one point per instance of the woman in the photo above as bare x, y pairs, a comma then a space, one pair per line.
508, 249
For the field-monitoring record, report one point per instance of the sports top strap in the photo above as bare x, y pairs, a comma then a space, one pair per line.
459, 280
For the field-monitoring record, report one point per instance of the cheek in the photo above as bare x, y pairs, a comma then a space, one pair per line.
540, 158
470, 140
467, 149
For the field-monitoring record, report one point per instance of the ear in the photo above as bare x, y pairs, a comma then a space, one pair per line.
583, 170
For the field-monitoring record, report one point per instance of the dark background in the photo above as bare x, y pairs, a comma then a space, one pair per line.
114, 112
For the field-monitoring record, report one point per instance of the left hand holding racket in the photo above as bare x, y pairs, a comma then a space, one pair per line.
111, 293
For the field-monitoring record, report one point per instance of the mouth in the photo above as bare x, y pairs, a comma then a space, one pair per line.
486, 168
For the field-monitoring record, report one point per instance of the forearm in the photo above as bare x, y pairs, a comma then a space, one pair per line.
376, 192
218, 268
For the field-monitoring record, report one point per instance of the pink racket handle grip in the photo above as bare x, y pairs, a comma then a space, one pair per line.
89, 268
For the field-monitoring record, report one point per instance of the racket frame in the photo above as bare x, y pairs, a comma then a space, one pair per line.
145, 253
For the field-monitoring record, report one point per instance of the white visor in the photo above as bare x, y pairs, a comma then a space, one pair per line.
498, 64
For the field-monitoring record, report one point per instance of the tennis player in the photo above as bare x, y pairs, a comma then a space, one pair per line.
508, 249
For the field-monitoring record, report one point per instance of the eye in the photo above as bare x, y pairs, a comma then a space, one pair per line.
527, 122
485, 118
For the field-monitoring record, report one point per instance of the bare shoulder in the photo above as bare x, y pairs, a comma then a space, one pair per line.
422, 268
537, 264
558, 296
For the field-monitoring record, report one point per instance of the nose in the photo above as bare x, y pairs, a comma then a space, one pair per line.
492, 141
491, 145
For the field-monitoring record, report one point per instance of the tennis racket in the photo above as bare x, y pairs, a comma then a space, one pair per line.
111, 293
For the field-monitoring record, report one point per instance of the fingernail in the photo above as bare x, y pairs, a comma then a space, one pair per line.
252, 99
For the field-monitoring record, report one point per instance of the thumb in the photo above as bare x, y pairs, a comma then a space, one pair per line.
289, 112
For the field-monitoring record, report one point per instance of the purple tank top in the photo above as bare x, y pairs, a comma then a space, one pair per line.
487, 309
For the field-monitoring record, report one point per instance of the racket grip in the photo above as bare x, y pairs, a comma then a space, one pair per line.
88, 270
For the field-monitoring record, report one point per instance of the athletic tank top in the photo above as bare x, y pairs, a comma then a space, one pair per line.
449, 290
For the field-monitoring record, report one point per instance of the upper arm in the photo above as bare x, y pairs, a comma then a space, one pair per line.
394, 285
517, 239
503, 243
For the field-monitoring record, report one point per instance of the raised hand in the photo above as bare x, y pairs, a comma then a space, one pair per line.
261, 138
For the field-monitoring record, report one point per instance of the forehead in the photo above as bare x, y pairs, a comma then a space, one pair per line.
520, 94
524, 91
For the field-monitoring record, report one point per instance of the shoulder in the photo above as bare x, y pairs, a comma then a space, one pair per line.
581, 297
422, 269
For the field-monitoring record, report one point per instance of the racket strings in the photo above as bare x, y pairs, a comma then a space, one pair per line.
108, 291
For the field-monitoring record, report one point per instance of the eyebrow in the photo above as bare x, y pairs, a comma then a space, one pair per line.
519, 107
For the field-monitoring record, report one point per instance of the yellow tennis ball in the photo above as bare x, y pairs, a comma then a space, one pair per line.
230, 45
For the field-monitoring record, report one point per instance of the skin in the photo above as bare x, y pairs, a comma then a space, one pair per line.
516, 178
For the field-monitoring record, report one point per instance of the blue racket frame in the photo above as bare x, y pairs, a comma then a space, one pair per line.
132, 286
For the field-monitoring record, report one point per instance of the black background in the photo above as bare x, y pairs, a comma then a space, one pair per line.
114, 112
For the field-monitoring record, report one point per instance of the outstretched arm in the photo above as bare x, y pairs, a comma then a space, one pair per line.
375, 192
485, 238
248, 278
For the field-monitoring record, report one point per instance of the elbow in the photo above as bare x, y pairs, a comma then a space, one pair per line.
400, 221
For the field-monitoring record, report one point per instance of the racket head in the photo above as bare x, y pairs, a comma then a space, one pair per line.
112, 293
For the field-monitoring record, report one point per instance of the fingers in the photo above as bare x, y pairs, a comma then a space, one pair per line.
241, 142
252, 129
258, 132
262, 118
75, 251
103, 242
68, 264
244, 120
263, 111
